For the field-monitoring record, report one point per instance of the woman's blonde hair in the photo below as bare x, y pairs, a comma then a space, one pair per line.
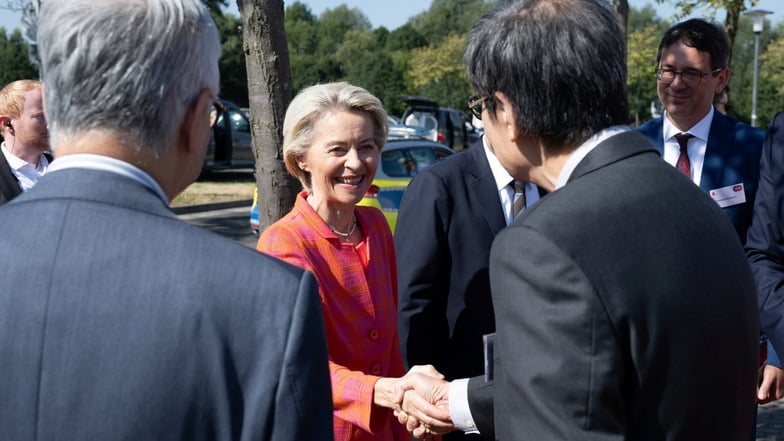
313, 102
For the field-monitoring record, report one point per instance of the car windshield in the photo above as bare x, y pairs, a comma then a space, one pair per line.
403, 163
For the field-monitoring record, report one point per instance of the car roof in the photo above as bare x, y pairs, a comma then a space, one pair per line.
418, 101
408, 143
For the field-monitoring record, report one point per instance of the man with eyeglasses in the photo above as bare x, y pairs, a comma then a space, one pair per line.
448, 218
716, 152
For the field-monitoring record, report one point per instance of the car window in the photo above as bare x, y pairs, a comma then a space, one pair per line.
393, 163
423, 156
239, 123
441, 153
422, 119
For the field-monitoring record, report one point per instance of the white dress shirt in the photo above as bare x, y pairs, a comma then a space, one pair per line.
26, 173
696, 147
506, 193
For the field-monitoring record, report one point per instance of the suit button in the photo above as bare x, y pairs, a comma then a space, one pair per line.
375, 369
374, 334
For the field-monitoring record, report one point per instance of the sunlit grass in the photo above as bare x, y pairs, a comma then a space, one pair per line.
208, 192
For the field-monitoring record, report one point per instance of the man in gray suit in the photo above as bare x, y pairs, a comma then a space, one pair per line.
600, 289
120, 322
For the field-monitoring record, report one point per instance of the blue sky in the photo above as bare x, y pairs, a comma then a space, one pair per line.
392, 14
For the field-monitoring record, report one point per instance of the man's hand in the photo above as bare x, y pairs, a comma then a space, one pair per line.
385, 393
771, 384
424, 404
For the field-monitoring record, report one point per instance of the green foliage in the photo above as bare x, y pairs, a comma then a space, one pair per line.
215, 6
644, 31
234, 75
377, 73
301, 29
770, 93
356, 46
309, 69
335, 23
438, 72
641, 81
14, 58
405, 38
448, 17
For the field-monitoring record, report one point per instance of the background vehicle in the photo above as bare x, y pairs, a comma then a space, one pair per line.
398, 130
400, 160
230, 143
451, 127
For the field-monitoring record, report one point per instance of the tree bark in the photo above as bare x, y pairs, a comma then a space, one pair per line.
269, 94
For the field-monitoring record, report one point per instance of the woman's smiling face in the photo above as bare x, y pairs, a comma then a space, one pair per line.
342, 158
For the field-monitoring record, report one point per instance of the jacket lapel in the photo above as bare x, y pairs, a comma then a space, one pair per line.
9, 186
720, 139
485, 190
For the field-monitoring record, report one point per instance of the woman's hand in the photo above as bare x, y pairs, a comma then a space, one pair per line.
387, 394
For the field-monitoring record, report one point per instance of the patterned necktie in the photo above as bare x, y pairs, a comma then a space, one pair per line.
683, 164
519, 198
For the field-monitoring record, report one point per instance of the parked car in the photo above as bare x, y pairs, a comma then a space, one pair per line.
451, 127
400, 160
230, 143
398, 130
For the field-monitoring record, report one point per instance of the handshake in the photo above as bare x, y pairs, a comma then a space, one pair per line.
420, 401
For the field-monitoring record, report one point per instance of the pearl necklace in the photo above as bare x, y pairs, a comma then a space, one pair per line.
345, 236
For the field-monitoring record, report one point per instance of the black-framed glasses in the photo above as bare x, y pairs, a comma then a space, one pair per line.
690, 78
475, 104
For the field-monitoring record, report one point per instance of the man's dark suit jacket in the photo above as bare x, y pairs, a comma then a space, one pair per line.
448, 218
732, 156
124, 323
600, 294
765, 244
9, 185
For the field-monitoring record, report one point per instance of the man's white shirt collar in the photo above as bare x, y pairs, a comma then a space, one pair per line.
700, 130
501, 176
26, 173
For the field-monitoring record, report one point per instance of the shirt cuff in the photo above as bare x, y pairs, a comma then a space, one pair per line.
459, 410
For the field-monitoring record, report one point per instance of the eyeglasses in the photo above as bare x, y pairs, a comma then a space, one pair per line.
475, 104
690, 78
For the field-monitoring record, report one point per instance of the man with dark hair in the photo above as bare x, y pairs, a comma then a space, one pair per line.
719, 154
24, 156
600, 289
119, 321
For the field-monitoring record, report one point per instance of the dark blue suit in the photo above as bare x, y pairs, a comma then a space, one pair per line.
765, 244
448, 218
732, 157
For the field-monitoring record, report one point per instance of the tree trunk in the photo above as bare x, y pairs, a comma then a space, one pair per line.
734, 10
269, 93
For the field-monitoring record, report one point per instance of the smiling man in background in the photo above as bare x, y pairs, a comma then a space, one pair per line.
25, 138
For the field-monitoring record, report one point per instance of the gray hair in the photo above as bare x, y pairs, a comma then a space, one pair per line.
130, 67
313, 102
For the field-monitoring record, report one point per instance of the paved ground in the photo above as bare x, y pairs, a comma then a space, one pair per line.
232, 223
